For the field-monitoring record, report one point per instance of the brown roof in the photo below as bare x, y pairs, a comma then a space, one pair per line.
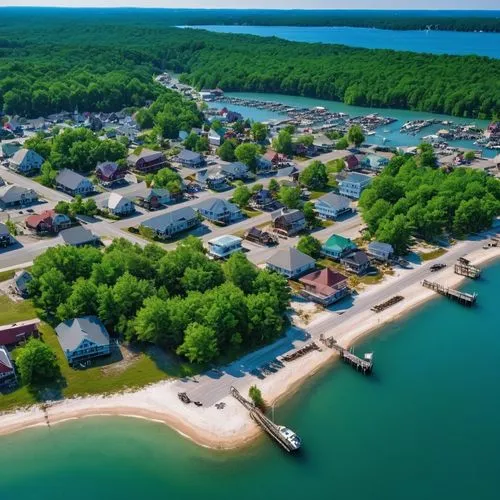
324, 280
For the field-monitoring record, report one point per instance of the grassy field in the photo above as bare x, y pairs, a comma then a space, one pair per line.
7, 275
251, 212
433, 254
137, 367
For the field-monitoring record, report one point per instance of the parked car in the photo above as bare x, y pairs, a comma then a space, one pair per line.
437, 267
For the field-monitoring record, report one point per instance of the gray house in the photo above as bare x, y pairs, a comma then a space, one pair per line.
73, 183
288, 222
332, 206
26, 161
78, 236
219, 211
12, 196
380, 251
169, 224
236, 170
20, 282
189, 158
83, 338
290, 262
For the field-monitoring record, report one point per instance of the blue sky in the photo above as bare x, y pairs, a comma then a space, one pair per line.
269, 4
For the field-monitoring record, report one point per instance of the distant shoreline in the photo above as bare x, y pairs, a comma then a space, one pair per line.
230, 428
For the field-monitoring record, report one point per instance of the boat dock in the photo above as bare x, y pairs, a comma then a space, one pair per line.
466, 299
463, 267
364, 365
265, 423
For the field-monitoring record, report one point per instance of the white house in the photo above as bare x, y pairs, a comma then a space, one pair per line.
73, 183
171, 223
26, 161
83, 338
219, 210
16, 196
332, 206
119, 205
223, 246
353, 185
214, 138
381, 251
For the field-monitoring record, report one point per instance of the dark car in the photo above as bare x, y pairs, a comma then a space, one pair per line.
437, 267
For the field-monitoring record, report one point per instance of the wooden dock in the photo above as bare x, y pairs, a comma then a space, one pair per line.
364, 365
466, 299
265, 423
463, 267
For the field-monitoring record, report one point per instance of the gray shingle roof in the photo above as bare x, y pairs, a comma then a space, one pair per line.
290, 259
188, 155
217, 205
380, 247
69, 178
78, 236
335, 200
72, 332
167, 219
13, 193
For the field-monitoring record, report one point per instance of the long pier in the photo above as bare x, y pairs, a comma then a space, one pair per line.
364, 365
265, 423
463, 267
466, 299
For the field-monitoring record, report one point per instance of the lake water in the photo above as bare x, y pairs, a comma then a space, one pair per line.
424, 426
434, 42
390, 132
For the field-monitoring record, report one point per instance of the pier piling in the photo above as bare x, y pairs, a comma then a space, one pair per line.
463, 267
465, 299
364, 365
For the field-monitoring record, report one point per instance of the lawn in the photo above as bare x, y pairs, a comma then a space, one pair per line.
433, 254
7, 275
251, 212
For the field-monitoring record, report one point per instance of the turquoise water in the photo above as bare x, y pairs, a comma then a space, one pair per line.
434, 42
390, 132
424, 426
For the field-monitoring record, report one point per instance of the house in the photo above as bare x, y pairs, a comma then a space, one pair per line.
154, 198
256, 235
171, 223
147, 161
288, 222
131, 133
73, 183
190, 159
375, 162
7, 371
234, 171
291, 171
13, 196
5, 237
353, 184
109, 172
18, 332
352, 162
48, 222
20, 283
337, 246
325, 286
214, 137
212, 177
263, 164
83, 338
277, 159
223, 246
79, 236
332, 206
219, 211
380, 251
264, 200
356, 262
9, 149
119, 205
290, 262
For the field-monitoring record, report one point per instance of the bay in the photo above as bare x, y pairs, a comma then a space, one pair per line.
425, 425
390, 133
432, 41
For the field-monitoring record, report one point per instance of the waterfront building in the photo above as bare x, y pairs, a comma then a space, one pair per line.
7, 371
356, 262
337, 246
375, 162
380, 251
290, 262
325, 286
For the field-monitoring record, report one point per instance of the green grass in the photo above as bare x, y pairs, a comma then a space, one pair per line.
251, 212
433, 254
11, 312
7, 275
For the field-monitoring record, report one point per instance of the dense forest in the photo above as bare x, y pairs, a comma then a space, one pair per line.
448, 20
179, 300
412, 198
107, 61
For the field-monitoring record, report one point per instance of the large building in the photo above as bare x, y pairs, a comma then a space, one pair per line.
325, 286
173, 222
219, 211
290, 262
332, 206
73, 183
26, 161
352, 186
13, 196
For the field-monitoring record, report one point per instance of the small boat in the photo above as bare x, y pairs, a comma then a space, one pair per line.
290, 437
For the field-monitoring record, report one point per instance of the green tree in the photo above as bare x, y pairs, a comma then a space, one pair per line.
342, 143
241, 196
264, 317
81, 302
310, 215
396, 232
309, 245
273, 186
226, 151
190, 141
240, 271
355, 135
274, 284
48, 174
314, 176
247, 154
255, 394
152, 321
290, 196
283, 142
469, 156
259, 132
53, 290
202, 144
200, 344
36, 362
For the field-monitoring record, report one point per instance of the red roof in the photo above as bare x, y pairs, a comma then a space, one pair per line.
14, 333
324, 281
46, 216
351, 161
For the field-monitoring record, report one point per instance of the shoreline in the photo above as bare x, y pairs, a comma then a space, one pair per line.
159, 402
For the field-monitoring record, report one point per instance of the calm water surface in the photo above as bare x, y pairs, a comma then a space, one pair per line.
434, 42
424, 426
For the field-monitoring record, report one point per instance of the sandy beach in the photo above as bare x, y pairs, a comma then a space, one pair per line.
231, 426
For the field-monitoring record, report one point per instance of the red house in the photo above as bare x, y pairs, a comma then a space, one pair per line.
18, 332
109, 172
351, 162
276, 158
147, 161
48, 222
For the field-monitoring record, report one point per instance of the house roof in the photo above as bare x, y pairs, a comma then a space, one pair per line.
290, 259
73, 332
335, 200
224, 240
21, 154
286, 171
357, 257
107, 168
356, 177
339, 243
288, 216
5, 361
324, 280
235, 168
217, 205
188, 155
146, 155
116, 200
21, 279
70, 178
11, 334
35, 219
167, 219
78, 235
379, 246
13, 193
